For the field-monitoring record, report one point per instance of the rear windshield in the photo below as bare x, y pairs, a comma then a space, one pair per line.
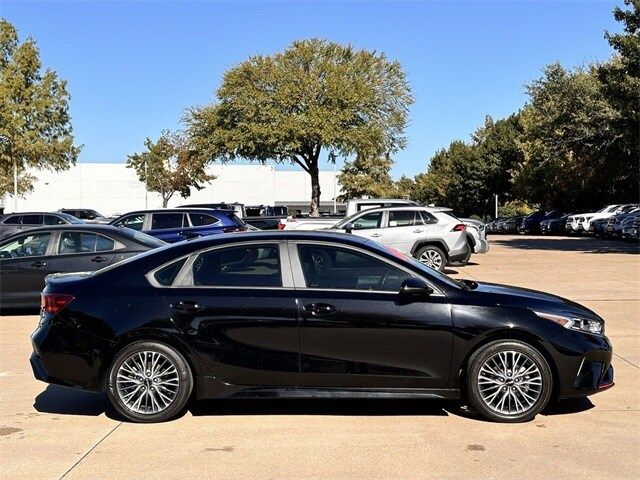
235, 219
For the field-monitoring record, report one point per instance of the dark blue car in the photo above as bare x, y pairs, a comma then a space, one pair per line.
531, 223
177, 224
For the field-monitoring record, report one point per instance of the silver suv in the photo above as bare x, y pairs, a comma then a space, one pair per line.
433, 237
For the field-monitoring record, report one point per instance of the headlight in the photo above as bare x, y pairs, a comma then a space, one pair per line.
587, 325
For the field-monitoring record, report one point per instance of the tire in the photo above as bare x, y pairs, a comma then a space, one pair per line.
172, 389
527, 395
428, 255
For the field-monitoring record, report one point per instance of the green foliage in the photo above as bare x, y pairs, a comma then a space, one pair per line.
315, 96
35, 127
169, 166
574, 146
366, 177
513, 208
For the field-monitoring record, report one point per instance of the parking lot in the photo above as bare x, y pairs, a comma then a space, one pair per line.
53, 432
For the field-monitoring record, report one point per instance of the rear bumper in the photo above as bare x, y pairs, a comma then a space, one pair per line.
459, 254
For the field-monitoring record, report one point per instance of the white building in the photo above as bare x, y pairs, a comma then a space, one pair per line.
112, 188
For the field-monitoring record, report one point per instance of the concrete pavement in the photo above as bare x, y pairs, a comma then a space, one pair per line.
53, 432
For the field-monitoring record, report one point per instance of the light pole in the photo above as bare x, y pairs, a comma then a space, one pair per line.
146, 186
15, 186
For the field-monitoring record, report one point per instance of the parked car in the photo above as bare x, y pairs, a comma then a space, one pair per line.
433, 237
614, 223
26, 258
177, 224
20, 222
310, 314
492, 226
554, 226
353, 206
262, 217
587, 218
87, 215
476, 232
511, 224
531, 223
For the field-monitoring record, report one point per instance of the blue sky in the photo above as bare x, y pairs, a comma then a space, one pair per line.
133, 67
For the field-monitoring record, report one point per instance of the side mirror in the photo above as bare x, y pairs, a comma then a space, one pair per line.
349, 227
414, 290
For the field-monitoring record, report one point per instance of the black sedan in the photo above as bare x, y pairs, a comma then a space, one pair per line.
27, 258
310, 314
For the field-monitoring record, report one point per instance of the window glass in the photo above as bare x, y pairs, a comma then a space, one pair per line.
53, 220
29, 245
32, 219
12, 220
402, 218
143, 238
339, 268
368, 220
244, 266
135, 221
200, 219
74, 242
427, 218
165, 276
104, 244
166, 220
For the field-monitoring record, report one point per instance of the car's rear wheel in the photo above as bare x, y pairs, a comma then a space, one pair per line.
432, 257
149, 382
508, 381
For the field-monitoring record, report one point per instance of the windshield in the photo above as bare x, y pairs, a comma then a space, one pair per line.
349, 219
142, 238
70, 218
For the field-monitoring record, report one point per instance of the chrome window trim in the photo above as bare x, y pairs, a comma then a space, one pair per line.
300, 282
184, 278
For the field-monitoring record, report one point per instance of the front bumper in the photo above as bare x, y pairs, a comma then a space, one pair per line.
482, 246
583, 363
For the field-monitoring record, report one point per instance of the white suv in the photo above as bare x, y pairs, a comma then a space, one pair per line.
433, 237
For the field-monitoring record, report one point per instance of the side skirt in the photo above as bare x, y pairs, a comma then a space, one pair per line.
309, 392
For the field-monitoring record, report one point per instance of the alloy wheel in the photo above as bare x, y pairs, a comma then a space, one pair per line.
431, 258
147, 382
510, 382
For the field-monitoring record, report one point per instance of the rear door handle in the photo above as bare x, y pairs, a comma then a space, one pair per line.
38, 264
320, 309
99, 259
187, 306
376, 235
418, 231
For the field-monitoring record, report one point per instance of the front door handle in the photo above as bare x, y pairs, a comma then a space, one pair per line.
320, 309
39, 264
99, 259
418, 231
187, 306
376, 235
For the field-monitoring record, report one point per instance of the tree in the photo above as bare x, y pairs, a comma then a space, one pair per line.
366, 177
570, 147
35, 126
315, 97
169, 166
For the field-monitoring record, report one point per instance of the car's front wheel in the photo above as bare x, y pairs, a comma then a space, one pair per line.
508, 381
432, 257
149, 382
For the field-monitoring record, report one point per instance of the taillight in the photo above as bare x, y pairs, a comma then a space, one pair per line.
54, 302
461, 227
281, 226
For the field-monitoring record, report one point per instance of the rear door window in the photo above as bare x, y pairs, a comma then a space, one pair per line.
135, 221
402, 218
53, 220
242, 266
162, 221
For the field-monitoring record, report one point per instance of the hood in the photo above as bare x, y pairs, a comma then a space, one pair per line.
518, 297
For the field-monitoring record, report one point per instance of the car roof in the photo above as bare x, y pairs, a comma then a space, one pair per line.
32, 213
177, 210
404, 208
74, 226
